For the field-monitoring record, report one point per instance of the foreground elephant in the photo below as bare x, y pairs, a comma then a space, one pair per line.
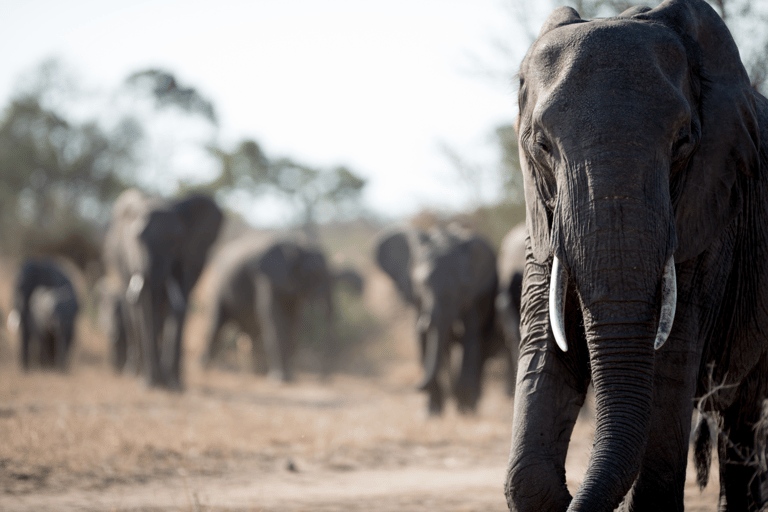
449, 276
644, 158
47, 306
157, 248
261, 284
511, 265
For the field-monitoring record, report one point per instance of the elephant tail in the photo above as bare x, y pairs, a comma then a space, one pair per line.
702, 451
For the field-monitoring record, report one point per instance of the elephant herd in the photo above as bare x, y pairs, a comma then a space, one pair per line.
642, 271
155, 251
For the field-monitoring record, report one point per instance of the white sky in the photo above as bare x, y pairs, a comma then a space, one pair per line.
377, 85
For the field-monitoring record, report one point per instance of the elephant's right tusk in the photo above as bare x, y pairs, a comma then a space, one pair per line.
135, 285
668, 304
557, 283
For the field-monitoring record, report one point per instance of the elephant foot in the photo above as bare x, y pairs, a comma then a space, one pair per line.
280, 376
467, 408
436, 404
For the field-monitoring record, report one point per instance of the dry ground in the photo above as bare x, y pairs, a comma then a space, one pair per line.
91, 440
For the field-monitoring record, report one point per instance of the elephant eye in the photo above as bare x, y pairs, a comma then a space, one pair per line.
683, 145
541, 146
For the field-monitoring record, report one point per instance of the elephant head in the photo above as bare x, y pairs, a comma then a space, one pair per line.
637, 134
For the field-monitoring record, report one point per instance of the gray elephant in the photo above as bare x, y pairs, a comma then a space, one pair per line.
47, 307
157, 248
645, 169
449, 276
260, 284
511, 265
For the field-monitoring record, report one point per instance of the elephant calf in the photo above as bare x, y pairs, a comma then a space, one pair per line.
47, 307
450, 276
260, 285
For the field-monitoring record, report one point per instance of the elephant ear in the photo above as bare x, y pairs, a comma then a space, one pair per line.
559, 17
537, 218
394, 256
708, 197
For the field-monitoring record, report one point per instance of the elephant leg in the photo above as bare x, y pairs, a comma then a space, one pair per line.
47, 346
436, 401
252, 328
742, 448
26, 340
60, 350
172, 350
276, 325
118, 339
212, 339
467, 386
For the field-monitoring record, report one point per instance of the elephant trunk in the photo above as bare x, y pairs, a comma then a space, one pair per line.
434, 333
618, 276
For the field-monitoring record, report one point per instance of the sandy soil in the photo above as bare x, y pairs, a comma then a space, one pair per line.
92, 440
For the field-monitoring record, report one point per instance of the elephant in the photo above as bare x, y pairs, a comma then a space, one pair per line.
157, 248
511, 265
643, 148
47, 307
260, 284
449, 276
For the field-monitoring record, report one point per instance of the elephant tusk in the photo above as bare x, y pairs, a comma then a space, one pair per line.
668, 304
135, 285
557, 283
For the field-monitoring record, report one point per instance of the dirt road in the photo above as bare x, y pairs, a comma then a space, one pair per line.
357, 441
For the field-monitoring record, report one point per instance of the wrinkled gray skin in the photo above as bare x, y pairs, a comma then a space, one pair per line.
641, 139
260, 285
47, 305
449, 276
158, 249
511, 265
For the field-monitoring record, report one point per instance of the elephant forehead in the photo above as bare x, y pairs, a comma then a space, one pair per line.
606, 54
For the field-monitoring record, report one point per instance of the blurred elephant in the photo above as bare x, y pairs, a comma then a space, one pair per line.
260, 284
47, 306
511, 264
449, 275
157, 248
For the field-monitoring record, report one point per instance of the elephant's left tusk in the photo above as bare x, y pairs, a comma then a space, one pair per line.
668, 304
557, 284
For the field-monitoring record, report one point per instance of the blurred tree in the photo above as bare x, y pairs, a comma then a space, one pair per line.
167, 92
511, 173
57, 172
316, 194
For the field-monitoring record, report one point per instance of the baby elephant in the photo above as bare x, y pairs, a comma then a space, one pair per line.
47, 306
